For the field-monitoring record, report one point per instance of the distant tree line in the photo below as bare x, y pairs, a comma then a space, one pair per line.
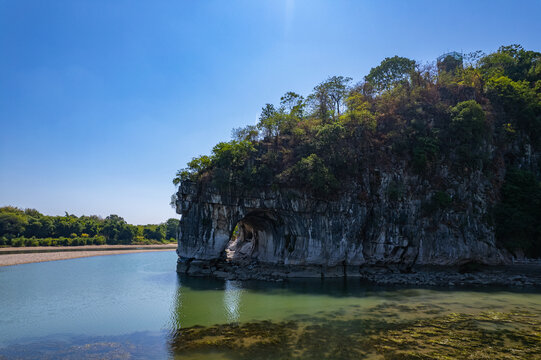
29, 227
467, 112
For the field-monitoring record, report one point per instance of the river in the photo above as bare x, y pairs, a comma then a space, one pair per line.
136, 306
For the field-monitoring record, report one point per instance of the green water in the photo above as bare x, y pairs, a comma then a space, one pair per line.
135, 306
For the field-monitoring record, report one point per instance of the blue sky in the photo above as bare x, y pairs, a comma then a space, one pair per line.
102, 101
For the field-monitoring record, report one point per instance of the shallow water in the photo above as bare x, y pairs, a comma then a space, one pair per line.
135, 306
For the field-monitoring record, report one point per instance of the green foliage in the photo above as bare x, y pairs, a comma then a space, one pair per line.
61, 241
390, 72
294, 103
518, 219
12, 223
226, 162
468, 130
520, 101
196, 167
311, 172
514, 62
247, 133
236, 232
329, 134
468, 122
418, 113
269, 121
230, 163
328, 97
468, 113
426, 149
116, 230
358, 112
330, 146
233, 154
171, 228
336, 90
155, 232
31, 228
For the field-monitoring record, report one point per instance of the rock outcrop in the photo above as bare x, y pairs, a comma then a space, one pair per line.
384, 219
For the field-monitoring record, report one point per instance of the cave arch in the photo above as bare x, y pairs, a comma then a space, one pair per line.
256, 238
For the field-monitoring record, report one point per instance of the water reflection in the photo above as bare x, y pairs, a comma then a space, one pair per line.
176, 308
220, 302
232, 299
135, 306
346, 320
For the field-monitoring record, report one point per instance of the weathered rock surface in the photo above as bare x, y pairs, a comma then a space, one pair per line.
382, 220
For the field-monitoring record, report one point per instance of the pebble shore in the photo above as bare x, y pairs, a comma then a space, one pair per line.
17, 256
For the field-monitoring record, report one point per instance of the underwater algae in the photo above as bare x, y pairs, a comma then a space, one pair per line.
486, 335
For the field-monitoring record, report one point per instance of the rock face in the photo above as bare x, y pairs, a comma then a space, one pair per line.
386, 218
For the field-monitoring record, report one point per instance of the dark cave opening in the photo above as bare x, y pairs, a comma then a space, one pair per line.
251, 237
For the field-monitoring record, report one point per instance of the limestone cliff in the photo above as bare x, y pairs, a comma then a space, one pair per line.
433, 167
386, 218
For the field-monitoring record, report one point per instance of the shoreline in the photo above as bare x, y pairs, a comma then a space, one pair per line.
10, 256
508, 276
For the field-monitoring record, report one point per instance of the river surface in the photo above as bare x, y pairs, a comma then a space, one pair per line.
136, 306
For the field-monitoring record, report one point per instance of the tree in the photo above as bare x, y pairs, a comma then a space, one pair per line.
91, 224
311, 172
112, 228
358, 112
248, 133
33, 213
171, 228
269, 121
293, 103
520, 101
468, 122
468, 130
230, 162
390, 72
12, 223
472, 59
337, 87
67, 225
155, 232
320, 103
126, 233
196, 167
514, 62
328, 96
34, 228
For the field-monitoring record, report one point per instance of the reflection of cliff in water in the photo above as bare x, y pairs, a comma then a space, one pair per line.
205, 301
315, 319
397, 324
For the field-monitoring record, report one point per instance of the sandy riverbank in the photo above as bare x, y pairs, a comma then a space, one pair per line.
15, 256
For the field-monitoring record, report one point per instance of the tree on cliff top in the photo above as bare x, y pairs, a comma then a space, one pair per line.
389, 72
328, 97
402, 114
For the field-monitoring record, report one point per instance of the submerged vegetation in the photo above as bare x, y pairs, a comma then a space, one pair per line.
435, 335
31, 228
467, 113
